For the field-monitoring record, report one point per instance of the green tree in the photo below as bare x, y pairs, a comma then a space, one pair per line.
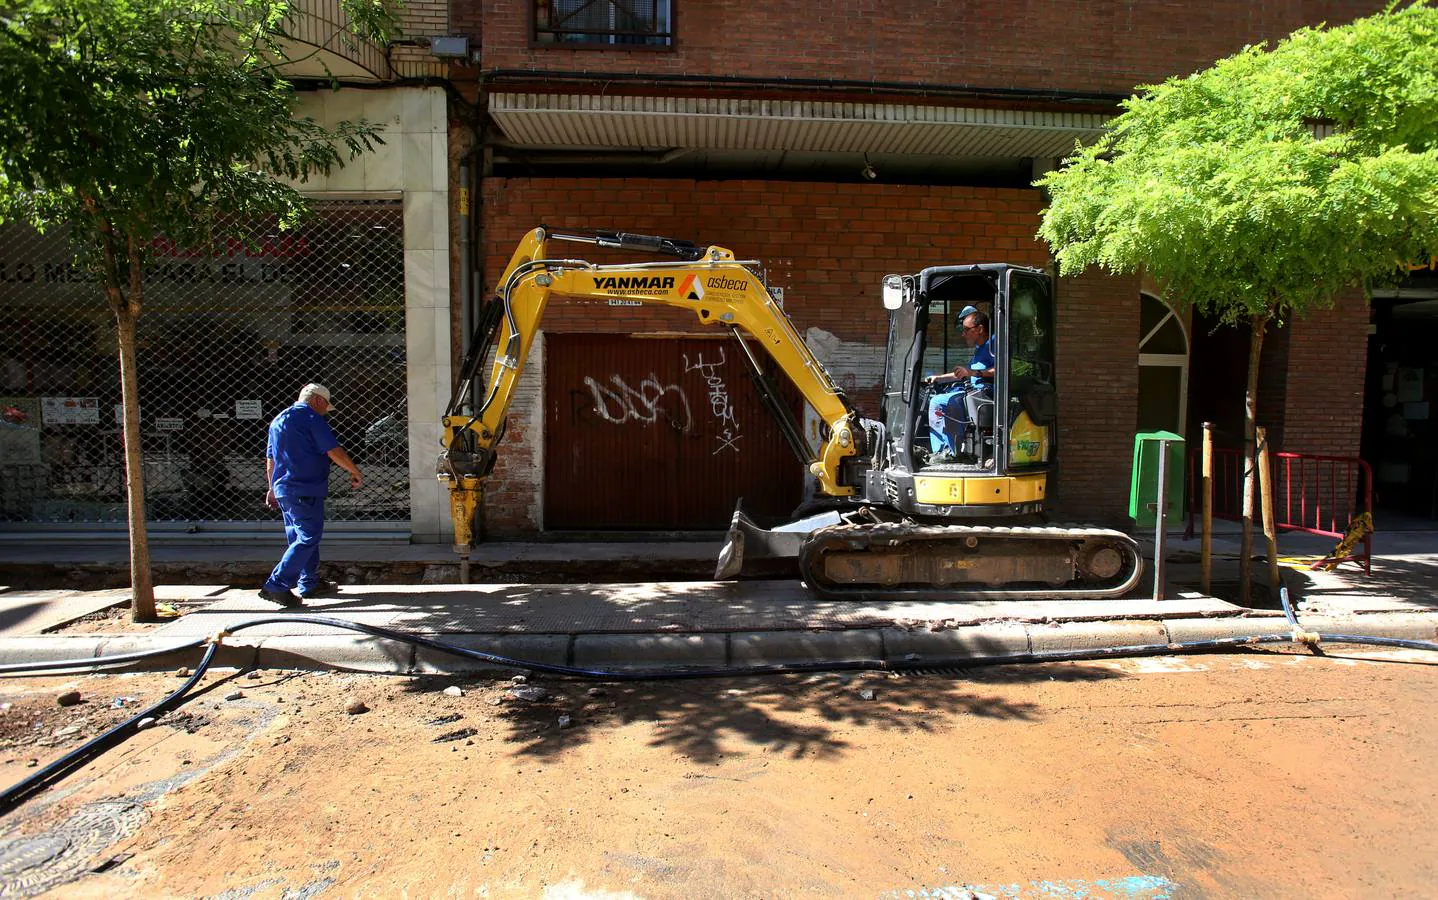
1261, 187
129, 119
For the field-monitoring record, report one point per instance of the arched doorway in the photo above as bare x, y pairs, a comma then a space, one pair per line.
1162, 367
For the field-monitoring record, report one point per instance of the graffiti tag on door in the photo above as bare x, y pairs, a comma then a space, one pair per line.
619, 402
719, 403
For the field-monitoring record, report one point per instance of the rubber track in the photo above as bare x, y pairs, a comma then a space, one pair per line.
886, 535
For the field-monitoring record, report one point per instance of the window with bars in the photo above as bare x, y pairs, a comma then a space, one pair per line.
627, 24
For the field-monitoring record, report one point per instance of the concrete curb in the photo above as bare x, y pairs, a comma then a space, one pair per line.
553, 649
1183, 631
949, 646
350, 652
973, 642
1058, 637
767, 648
227, 656
1409, 626
637, 651
42, 648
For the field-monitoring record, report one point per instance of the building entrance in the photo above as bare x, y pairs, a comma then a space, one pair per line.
1399, 433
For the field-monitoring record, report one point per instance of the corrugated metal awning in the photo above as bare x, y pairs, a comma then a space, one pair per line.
731, 123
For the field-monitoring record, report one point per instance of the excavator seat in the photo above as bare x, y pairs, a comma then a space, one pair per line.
981, 434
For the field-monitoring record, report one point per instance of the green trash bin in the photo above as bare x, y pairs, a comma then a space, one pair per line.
1143, 484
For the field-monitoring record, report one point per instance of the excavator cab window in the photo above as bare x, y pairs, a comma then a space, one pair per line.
939, 412
1029, 366
902, 349
950, 300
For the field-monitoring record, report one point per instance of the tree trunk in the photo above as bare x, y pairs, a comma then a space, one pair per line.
1250, 469
142, 585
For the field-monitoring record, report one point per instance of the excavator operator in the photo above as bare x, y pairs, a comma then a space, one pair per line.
957, 395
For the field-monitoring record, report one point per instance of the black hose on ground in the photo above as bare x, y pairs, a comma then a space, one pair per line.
92, 662
11, 796
1312, 638
17, 793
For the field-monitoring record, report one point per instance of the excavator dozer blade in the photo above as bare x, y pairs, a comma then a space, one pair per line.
747, 544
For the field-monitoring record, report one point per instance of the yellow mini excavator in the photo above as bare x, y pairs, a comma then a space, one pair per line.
895, 515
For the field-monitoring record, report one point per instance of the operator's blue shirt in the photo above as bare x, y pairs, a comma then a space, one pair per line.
983, 355
300, 442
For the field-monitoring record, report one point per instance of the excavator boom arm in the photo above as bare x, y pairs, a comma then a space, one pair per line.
710, 283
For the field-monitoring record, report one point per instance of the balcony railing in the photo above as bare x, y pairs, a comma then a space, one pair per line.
323, 44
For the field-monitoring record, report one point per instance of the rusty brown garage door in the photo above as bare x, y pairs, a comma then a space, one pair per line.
659, 434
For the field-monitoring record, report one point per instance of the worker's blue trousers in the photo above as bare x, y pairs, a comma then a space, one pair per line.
304, 526
947, 420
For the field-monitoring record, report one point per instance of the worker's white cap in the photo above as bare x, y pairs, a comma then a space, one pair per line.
316, 390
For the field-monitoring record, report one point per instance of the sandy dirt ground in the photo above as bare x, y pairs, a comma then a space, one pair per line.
1262, 774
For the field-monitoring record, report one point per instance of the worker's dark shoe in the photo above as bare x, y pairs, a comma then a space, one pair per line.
283, 598
319, 590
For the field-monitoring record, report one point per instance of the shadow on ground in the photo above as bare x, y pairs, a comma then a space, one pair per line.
1404, 582
696, 717
660, 608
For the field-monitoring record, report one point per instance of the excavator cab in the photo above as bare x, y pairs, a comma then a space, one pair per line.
981, 445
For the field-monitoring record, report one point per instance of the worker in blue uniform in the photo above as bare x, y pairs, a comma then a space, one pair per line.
297, 468
954, 402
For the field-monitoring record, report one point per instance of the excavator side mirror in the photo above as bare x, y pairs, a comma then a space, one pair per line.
893, 292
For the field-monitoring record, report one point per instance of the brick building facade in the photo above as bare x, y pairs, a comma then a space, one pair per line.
752, 126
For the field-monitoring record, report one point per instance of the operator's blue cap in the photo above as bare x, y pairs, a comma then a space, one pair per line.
964, 314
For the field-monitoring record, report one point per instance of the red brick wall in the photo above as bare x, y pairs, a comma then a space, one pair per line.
1322, 405
1098, 325
1079, 45
827, 245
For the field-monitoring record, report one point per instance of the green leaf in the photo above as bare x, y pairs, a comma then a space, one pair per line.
131, 118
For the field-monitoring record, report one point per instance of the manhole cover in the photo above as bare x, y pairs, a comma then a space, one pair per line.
32, 865
19, 857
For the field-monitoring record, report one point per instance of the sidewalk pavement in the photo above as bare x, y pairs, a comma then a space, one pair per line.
77, 561
675, 623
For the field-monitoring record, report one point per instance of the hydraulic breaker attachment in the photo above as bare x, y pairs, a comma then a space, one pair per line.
463, 474
464, 497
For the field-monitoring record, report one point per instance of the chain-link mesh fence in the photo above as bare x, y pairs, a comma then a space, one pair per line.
225, 342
